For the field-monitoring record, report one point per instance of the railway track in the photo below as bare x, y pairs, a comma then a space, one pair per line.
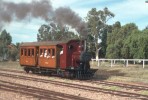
37, 92
88, 88
108, 83
122, 85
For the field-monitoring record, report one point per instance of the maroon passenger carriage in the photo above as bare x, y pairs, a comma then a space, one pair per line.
64, 58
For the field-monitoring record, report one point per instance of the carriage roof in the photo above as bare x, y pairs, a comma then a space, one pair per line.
45, 43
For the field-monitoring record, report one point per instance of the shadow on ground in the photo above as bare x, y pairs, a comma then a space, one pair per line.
102, 74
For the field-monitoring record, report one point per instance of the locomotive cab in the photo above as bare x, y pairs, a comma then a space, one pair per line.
75, 60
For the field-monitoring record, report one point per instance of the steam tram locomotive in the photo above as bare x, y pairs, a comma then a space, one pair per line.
63, 58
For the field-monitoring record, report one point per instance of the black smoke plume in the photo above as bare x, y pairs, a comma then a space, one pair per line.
10, 11
43, 9
65, 16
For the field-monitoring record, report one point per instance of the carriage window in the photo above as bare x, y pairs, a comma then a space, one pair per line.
32, 52
45, 53
49, 51
22, 52
44, 50
29, 53
41, 53
25, 52
53, 52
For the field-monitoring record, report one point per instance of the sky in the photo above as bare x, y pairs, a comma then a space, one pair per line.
126, 11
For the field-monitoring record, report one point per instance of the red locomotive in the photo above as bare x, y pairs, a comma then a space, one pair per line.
64, 58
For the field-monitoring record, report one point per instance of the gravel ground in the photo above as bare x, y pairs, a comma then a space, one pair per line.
7, 95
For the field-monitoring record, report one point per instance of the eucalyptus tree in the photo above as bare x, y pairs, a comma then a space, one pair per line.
55, 33
44, 33
97, 22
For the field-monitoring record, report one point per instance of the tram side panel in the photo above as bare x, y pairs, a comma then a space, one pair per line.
28, 56
47, 57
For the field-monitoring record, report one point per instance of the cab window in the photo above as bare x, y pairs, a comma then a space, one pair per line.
70, 47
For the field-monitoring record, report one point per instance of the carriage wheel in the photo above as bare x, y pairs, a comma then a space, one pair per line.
26, 70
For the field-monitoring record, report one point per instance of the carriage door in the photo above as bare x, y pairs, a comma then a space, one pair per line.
62, 57
47, 57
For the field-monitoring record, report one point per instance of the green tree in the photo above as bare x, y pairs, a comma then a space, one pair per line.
135, 46
5, 40
44, 33
90, 45
97, 22
117, 40
146, 27
18, 49
103, 43
51, 33
145, 43
113, 45
13, 53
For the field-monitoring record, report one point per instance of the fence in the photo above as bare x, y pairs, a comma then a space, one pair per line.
125, 61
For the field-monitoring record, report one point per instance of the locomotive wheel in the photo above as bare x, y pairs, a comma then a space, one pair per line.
71, 75
84, 75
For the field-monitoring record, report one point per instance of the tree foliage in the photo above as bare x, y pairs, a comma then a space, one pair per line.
8, 51
96, 21
103, 43
136, 45
5, 40
117, 38
53, 32
13, 53
127, 42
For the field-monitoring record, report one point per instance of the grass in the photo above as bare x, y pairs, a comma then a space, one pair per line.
10, 65
144, 92
114, 88
135, 73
